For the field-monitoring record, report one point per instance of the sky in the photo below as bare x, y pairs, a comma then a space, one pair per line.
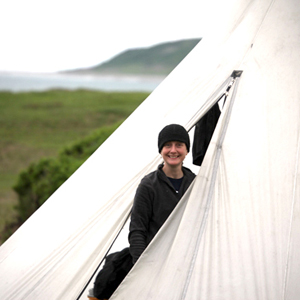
56, 35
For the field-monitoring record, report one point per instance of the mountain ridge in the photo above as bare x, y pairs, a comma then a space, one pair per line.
157, 60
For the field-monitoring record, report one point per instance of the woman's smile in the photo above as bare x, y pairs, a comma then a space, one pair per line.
174, 153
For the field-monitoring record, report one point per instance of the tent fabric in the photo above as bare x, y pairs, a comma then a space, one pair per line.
173, 252
235, 234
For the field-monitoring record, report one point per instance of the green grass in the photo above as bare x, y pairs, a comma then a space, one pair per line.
34, 125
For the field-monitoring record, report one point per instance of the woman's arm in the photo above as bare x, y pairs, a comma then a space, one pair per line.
140, 218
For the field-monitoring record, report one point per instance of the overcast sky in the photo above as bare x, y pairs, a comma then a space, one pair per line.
49, 36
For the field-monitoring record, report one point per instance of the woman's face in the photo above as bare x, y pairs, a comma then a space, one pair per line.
174, 153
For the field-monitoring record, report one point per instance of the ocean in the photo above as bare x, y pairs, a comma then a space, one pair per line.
24, 82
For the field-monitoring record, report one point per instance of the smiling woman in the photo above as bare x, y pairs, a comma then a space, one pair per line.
160, 191
174, 145
173, 154
156, 196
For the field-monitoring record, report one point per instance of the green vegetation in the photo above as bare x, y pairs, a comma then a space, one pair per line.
157, 60
41, 179
50, 133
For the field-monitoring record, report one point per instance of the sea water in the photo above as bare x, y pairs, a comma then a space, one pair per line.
23, 82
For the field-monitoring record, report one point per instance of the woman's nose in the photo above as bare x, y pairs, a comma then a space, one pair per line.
173, 148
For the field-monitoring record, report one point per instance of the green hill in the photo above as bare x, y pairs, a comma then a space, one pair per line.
160, 59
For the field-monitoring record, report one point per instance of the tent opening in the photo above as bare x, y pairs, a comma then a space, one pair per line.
205, 127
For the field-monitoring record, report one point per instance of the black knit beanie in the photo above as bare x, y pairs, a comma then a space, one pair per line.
173, 132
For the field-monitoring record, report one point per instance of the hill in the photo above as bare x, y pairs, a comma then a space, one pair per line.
159, 60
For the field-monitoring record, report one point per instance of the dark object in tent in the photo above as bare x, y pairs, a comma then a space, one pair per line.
204, 130
116, 267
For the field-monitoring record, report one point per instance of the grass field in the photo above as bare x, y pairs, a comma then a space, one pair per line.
34, 125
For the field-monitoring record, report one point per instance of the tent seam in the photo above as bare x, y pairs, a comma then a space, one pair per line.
211, 190
291, 221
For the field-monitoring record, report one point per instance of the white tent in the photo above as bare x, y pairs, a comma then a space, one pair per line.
235, 234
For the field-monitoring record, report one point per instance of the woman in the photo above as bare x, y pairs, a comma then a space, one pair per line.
159, 192
156, 197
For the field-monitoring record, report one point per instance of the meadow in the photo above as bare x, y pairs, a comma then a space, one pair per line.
35, 125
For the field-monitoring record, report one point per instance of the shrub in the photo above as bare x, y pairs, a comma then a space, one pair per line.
37, 183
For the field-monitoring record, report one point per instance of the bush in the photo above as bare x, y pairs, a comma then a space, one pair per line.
36, 184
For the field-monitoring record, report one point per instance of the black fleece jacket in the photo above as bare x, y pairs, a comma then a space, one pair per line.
155, 199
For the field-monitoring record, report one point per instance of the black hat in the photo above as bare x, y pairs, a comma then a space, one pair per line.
173, 132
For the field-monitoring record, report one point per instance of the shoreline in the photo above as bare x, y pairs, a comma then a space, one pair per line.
24, 82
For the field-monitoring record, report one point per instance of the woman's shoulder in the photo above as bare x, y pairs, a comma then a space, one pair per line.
152, 177
188, 172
